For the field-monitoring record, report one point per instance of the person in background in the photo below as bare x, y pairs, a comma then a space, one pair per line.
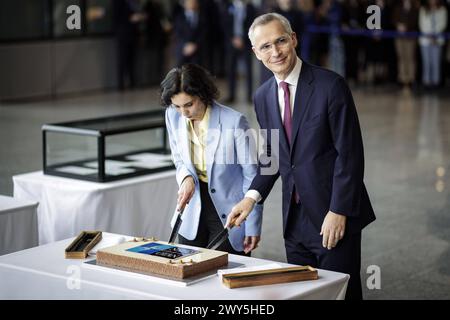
214, 51
237, 15
432, 23
446, 51
190, 32
213, 160
127, 15
336, 55
157, 33
353, 19
405, 18
380, 51
307, 9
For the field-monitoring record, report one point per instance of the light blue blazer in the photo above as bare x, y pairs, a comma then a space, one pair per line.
229, 165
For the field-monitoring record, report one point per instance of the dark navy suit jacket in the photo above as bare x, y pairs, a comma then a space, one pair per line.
326, 158
185, 33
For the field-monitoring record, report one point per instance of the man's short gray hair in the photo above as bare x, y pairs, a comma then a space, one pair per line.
265, 19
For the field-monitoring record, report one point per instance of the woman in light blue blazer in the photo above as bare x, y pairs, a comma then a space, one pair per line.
213, 155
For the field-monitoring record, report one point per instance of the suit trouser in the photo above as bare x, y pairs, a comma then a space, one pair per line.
431, 64
303, 244
126, 48
406, 57
209, 225
233, 56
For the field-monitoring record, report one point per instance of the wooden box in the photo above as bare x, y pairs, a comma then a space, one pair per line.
80, 247
271, 276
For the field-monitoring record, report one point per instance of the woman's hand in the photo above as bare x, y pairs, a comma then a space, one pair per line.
185, 192
251, 243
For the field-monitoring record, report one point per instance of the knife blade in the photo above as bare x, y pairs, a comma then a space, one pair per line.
221, 237
176, 227
218, 240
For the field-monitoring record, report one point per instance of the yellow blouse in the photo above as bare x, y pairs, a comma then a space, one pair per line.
198, 145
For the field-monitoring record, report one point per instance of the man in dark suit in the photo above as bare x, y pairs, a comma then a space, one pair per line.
190, 31
127, 16
237, 17
319, 155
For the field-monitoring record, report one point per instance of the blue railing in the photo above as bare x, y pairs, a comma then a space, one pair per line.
371, 33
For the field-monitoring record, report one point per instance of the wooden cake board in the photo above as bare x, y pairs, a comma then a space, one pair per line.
160, 258
92, 264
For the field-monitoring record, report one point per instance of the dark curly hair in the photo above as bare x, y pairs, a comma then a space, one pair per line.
190, 79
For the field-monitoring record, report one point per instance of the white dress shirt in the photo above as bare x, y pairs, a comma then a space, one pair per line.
292, 81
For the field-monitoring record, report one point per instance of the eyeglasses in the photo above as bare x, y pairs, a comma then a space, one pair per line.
281, 42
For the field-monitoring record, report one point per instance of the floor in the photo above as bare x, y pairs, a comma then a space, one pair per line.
407, 150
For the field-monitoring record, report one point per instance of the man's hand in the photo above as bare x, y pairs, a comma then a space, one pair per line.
185, 192
333, 229
251, 243
238, 42
189, 49
240, 211
401, 27
138, 17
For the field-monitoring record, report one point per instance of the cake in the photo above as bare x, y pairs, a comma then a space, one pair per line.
161, 258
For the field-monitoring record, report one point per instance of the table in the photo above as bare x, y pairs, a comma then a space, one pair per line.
141, 206
18, 224
43, 273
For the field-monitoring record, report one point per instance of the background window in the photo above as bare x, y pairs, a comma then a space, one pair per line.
24, 19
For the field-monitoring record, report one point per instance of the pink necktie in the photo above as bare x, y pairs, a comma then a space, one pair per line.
287, 123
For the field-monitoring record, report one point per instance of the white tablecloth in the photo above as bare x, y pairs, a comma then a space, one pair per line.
18, 224
141, 206
43, 273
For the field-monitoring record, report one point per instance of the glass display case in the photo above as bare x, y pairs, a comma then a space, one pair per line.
107, 149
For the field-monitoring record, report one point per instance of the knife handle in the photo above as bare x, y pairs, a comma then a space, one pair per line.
180, 212
232, 222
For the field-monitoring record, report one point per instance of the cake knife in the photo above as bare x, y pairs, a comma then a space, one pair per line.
176, 227
221, 237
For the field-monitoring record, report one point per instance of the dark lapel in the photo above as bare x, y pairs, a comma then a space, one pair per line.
273, 108
302, 96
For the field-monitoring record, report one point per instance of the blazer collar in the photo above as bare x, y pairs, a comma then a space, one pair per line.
274, 114
305, 89
214, 133
213, 138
